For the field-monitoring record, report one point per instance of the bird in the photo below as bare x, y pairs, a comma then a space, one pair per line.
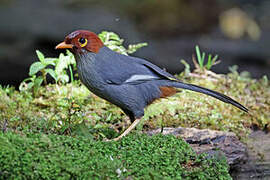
131, 83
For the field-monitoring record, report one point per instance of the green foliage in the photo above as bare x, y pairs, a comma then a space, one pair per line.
114, 42
40, 156
59, 73
201, 59
64, 63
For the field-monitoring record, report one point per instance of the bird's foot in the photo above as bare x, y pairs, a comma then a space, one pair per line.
132, 126
110, 140
106, 140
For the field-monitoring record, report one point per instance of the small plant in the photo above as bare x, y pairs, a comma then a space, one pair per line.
31, 83
114, 42
64, 63
59, 73
201, 59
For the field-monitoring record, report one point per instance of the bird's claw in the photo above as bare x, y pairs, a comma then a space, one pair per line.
109, 140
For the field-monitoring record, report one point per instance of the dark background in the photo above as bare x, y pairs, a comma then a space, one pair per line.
239, 32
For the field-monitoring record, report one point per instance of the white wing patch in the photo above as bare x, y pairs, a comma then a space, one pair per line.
140, 77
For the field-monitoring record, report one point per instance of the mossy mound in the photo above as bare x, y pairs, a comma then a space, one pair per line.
60, 109
138, 156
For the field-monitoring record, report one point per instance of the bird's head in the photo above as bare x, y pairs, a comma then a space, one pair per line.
81, 41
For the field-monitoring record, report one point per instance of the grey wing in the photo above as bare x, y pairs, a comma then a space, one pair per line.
155, 69
129, 70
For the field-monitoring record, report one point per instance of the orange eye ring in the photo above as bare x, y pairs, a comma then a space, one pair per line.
83, 42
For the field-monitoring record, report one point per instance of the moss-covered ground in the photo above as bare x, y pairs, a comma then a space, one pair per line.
58, 130
72, 108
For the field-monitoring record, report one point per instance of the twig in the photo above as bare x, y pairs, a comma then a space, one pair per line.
4, 126
202, 76
195, 62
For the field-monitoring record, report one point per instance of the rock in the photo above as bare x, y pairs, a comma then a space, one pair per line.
247, 161
258, 162
211, 142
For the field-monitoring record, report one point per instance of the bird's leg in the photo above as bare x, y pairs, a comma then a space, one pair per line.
132, 126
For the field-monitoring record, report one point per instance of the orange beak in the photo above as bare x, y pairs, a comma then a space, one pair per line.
63, 45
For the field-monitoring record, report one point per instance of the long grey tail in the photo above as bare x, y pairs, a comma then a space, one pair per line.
209, 92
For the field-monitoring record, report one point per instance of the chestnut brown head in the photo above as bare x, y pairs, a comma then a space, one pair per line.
81, 39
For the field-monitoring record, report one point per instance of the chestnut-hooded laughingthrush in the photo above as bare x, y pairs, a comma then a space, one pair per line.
130, 83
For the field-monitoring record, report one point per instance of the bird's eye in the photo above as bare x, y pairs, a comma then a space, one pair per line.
83, 42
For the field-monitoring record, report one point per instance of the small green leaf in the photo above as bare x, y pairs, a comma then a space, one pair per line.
25, 86
209, 62
61, 64
114, 42
40, 56
52, 73
265, 80
214, 59
63, 78
38, 81
35, 67
110, 38
30, 85
50, 61
233, 69
198, 53
134, 47
202, 60
71, 73
187, 66
71, 58
114, 36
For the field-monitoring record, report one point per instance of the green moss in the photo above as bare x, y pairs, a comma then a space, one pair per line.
40, 156
62, 109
